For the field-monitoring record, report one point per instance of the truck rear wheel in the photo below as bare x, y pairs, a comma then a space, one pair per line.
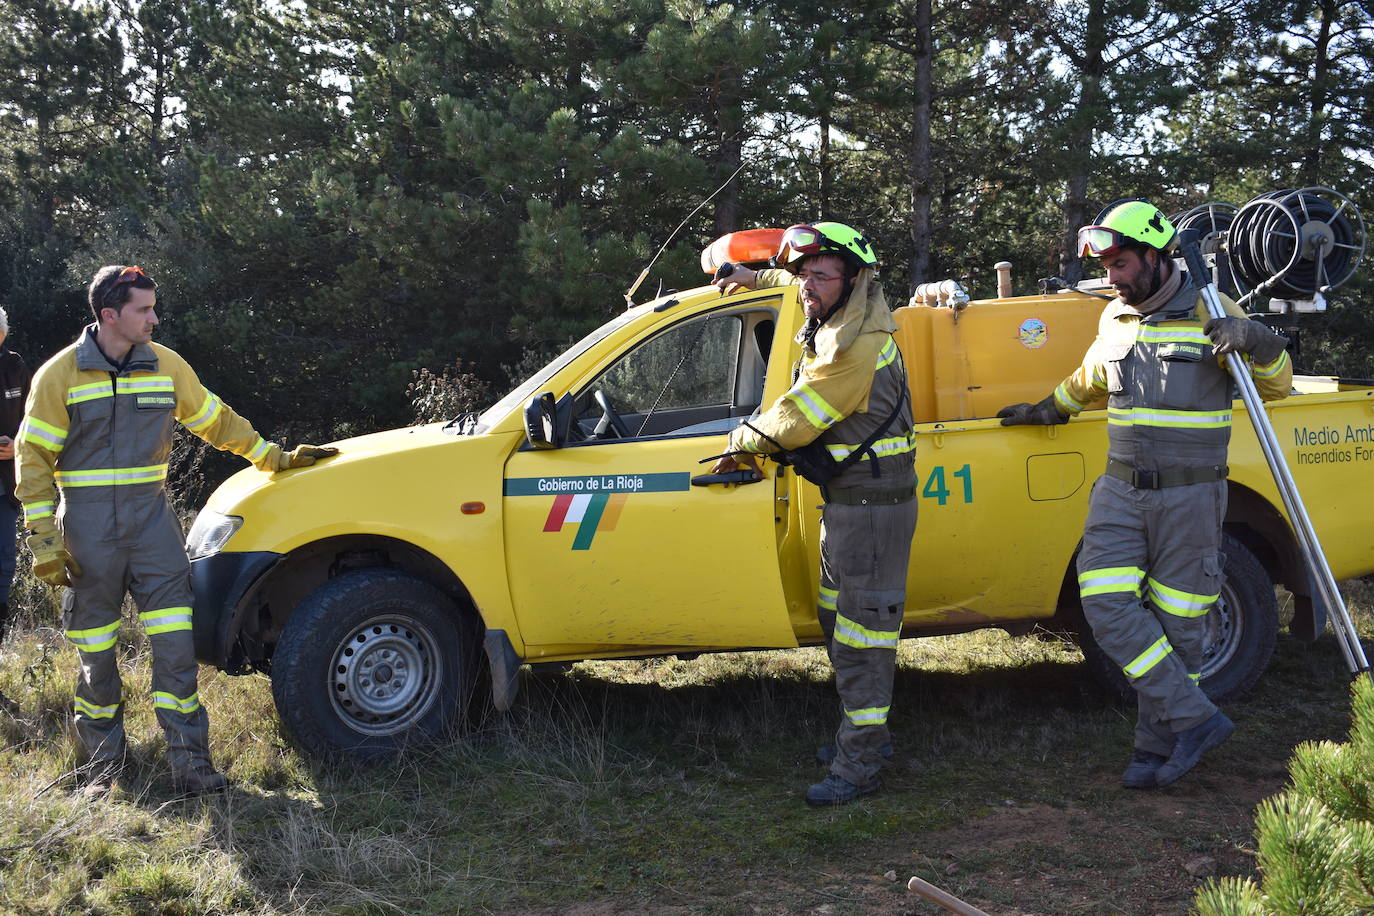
1242, 628
370, 662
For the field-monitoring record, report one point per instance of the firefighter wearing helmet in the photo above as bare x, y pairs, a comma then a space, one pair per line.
1150, 568
849, 408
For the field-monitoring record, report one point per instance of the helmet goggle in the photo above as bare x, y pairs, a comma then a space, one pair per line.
799, 242
1099, 242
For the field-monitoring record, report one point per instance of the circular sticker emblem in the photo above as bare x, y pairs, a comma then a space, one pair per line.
1032, 333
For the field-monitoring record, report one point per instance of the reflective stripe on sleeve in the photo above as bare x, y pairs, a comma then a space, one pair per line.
97, 639
1149, 658
859, 637
209, 411
109, 477
888, 354
1068, 401
1179, 603
259, 450
166, 620
36, 510
873, 715
164, 700
48, 436
1110, 580
828, 598
91, 711
1272, 369
814, 407
1176, 419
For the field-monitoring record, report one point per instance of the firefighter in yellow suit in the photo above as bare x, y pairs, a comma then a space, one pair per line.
849, 397
98, 426
1150, 569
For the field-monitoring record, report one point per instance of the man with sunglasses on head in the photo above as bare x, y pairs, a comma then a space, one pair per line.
1150, 566
849, 395
98, 427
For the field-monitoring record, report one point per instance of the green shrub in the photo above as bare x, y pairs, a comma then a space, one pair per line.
1316, 838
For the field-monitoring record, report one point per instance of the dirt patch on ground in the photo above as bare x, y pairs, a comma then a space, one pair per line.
1128, 852
1118, 852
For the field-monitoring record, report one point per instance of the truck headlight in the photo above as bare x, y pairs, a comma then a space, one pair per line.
210, 532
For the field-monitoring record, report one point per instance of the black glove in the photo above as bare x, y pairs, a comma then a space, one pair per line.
1231, 334
1045, 413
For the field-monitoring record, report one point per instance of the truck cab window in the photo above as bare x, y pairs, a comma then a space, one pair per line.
694, 378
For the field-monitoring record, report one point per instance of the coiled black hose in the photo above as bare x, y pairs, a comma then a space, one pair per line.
1293, 244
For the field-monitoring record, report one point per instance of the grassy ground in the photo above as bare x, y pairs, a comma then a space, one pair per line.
662, 786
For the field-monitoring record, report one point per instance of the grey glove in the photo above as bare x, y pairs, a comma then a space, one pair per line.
1231, 334
1045, 413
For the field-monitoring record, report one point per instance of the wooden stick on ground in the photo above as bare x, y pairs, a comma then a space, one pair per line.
948, 902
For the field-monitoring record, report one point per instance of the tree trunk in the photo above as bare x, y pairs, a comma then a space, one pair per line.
1311, 169
1081, 142
920, 151
729, 124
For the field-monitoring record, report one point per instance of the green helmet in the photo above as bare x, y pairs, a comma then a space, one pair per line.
1126, 224
802, 241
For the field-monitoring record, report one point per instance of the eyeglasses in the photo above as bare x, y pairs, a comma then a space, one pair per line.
1099, 242
799, 241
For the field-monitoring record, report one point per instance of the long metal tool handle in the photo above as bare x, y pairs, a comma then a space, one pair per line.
1288, 489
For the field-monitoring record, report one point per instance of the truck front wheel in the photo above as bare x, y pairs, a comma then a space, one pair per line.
370, 662
1241, 629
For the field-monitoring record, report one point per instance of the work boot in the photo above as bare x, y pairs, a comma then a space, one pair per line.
825, 754
1140, 773
8, 706
199, 780
96, 780
1191, 744
835, 790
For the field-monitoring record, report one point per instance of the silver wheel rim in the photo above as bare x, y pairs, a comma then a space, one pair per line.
385, 675
1225, 627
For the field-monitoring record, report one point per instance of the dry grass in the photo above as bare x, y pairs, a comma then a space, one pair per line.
658, 784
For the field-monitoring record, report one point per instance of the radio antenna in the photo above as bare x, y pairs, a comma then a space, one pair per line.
634, 287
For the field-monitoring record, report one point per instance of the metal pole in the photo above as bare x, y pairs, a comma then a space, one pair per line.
1273, 453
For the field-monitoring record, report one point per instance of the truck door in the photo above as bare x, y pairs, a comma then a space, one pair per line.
608, 542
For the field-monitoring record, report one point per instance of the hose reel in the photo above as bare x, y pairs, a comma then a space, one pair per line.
1293, 246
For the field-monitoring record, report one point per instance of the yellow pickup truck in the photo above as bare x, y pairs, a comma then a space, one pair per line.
571, 519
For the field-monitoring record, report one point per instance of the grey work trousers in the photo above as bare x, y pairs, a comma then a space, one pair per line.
865, 552
1149, 571
140, 551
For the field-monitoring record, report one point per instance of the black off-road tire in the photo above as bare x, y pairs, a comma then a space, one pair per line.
1242, 627
372, 662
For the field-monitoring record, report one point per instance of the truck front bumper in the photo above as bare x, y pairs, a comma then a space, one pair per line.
220, 582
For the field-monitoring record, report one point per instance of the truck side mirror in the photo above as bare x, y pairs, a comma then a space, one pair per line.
541, 423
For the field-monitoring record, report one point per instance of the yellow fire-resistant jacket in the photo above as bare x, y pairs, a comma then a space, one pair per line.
1168, 395
846, 384
96, 432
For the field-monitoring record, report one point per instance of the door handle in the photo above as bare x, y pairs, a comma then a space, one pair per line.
740, 477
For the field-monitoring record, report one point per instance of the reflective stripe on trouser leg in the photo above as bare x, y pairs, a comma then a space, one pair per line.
1184, 581
826, 603
865, 551
160, 583
1121, 534
97, 701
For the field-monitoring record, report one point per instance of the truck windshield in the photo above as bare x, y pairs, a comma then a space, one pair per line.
535, 383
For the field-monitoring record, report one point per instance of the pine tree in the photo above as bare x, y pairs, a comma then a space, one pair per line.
1316, 839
